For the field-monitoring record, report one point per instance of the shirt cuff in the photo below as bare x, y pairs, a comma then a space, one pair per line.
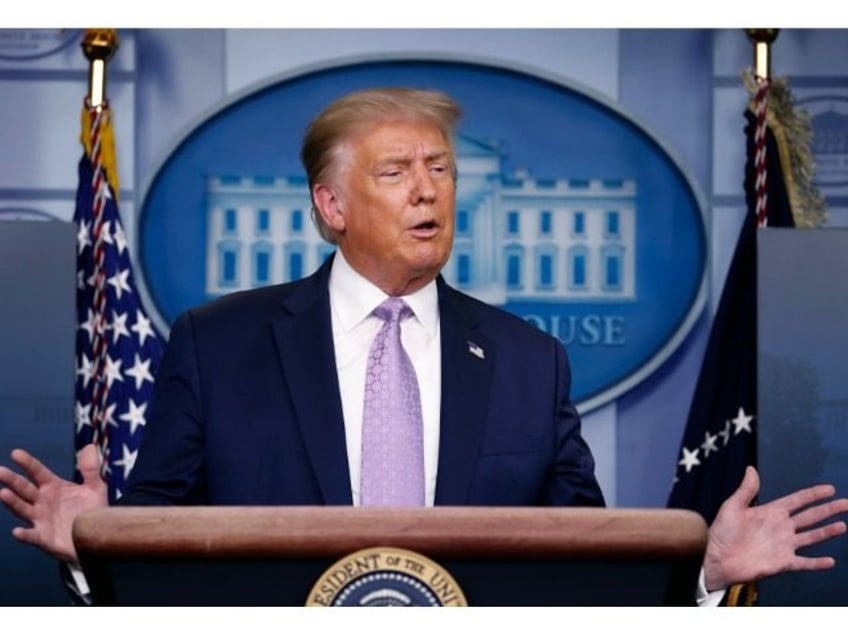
705, 598
79, 580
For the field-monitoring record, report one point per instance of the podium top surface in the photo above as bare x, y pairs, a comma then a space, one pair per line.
444, 532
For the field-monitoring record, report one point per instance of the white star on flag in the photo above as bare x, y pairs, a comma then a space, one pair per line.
120, 239
140, 371
709, 444
82, 415
106, 234
120, 283
689, 459
142, 327
109, 416
85, 369
83, 239
134, 415
118, 326
112, 371
725, 433
742, 422
88, 325
127, 460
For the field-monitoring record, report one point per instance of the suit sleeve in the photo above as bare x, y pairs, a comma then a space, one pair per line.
170, 465
571, 477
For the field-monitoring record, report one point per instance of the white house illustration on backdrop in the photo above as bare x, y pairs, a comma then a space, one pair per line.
516, 239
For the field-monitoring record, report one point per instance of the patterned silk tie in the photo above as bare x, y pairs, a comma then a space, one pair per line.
392, 429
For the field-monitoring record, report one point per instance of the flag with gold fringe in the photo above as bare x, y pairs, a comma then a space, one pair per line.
720, 438
117, 348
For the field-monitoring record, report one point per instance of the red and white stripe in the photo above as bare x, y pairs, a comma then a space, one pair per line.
760, 170
99, 345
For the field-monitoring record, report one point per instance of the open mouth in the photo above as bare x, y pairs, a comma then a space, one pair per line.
426, 225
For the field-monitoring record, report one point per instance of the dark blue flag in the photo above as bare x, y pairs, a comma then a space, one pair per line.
117, 347
720, 436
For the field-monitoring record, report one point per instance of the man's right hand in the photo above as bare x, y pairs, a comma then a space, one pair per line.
48, 503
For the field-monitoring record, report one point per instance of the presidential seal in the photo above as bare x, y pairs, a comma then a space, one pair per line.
381, 577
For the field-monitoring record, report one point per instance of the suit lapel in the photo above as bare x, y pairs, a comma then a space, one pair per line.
305, 345
467, 359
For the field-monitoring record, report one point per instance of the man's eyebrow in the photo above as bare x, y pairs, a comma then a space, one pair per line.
395, 158
440, 154
408, 157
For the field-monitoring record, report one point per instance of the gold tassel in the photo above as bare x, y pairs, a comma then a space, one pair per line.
108, 158
793, 133
742, 595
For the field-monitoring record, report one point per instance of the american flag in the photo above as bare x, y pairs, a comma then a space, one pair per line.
117, 347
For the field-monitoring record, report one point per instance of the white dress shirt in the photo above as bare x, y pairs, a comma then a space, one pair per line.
352, 299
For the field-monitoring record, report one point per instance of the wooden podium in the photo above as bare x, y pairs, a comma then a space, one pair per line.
272, 556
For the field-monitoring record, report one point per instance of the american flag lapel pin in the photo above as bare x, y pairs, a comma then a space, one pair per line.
476, 350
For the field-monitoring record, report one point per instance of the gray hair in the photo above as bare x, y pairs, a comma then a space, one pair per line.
338, 122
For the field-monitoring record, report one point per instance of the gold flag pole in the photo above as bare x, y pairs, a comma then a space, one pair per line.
98, 45
791, 128
762, 40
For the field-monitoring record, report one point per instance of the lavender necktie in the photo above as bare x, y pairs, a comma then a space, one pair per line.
392, 435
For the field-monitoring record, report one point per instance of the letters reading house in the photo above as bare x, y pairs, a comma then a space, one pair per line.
517, 238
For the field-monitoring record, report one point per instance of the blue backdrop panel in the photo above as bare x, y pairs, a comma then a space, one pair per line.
803, 388
37, 283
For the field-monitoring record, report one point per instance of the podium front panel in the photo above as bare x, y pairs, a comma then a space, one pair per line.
497, 556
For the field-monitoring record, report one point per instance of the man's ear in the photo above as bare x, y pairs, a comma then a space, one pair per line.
329, 206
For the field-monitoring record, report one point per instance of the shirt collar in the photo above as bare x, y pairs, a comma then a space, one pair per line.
353, 297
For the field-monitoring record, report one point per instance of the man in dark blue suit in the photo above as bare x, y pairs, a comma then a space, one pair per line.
259, 399
254, 390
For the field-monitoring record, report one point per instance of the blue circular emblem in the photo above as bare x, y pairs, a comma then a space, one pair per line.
569, 214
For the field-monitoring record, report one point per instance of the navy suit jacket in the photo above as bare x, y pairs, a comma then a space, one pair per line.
247, 410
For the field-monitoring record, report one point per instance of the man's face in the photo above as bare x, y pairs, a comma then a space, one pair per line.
394, 211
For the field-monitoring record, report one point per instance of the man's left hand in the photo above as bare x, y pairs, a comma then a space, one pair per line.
747, 543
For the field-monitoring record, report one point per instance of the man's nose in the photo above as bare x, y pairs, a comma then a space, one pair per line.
423, 187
